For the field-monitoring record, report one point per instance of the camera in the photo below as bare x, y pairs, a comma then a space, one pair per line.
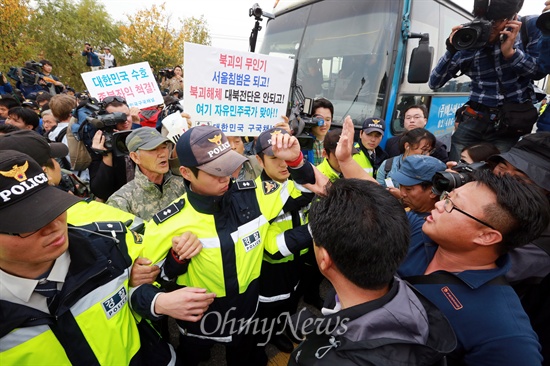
107, 123
30, 74
473, 35
166, 72
301, 122
447, 181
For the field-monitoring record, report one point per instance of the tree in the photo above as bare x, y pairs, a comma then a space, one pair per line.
64, 26
196, 31
150, 36
16, 45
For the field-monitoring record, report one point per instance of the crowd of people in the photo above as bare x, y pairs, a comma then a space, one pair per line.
434, 255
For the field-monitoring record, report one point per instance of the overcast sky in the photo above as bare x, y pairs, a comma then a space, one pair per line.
228, 20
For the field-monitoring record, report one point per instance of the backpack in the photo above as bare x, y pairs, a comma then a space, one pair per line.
114, 62
63, 162
80, 156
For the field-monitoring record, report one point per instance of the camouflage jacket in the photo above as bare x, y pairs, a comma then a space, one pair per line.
143, 198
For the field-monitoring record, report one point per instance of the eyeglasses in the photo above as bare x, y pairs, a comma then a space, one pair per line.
22, 235
416, 116
427, 151
113, 98
449, 206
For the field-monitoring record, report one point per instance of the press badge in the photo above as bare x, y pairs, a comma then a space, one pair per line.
113, 305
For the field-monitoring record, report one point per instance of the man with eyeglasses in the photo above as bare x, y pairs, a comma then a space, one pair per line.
459, 258
530, 272
109, 173
500, 72
415, 116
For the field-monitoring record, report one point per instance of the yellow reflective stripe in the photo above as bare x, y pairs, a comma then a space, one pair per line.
100, 293
21, 335
248, 228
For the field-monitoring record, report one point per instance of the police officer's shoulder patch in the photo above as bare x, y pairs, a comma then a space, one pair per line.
169, 211
107, 227
269, 186
245, 184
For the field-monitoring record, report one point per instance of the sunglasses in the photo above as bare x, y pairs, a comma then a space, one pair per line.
113, 98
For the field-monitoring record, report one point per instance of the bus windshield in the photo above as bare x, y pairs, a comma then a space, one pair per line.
344, 51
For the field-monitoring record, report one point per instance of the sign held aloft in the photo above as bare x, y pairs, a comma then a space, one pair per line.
242, 93
135, 83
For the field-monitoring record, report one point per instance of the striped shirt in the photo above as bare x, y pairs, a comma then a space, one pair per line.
495, 79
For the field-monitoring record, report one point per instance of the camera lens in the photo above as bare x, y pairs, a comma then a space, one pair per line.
465, 38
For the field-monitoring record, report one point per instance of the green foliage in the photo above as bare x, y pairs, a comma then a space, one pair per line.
151, 36
57, 30
16, 45
64, 27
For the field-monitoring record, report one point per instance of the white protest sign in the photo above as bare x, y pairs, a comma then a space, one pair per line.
135, 83
242, 93
176, 125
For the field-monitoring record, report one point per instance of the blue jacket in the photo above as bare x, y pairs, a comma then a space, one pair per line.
488, 319
92, 58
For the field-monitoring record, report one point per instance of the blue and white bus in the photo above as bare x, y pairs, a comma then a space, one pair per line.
357, 54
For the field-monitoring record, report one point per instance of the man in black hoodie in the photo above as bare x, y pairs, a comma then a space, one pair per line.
375, 318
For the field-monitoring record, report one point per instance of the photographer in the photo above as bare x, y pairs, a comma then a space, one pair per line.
108, 173
172, 79
55, 86
501, 70
92, 59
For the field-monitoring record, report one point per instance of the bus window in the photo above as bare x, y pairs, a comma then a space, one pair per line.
349, 44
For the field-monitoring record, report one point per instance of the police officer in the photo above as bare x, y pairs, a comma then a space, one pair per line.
64, 290
231, 219
280, 275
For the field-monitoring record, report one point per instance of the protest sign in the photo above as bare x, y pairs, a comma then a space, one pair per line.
135, 83
242, 93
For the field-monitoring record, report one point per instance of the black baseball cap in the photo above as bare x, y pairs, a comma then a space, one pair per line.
374, 125
263, 142
207, 148
27, 201
33, 144
531, 155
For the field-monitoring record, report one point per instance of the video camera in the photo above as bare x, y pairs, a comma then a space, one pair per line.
30, 74
115, 142
301, 120
167, 72
447, 181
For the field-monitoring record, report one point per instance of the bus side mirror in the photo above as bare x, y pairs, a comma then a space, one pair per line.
421, 60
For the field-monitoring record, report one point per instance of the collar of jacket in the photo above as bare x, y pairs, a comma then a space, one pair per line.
145, 183
209, 204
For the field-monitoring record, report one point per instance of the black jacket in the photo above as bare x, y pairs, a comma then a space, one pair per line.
400, 328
